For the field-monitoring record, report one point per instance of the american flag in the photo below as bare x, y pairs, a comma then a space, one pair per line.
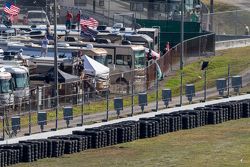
11, 9
91, 22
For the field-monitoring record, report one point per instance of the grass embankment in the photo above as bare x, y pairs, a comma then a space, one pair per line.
226, 144
238, 59
229, 19
220, 6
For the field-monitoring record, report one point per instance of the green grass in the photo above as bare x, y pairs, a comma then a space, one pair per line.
226, 144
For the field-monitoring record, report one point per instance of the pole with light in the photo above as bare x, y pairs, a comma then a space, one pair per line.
55, 62
182, 48
204, 69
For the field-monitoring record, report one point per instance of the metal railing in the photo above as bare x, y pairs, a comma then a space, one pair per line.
89, 107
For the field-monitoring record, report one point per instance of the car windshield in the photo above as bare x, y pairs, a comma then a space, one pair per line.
5, 86
21, 80
139, 59
101, 59
36, 15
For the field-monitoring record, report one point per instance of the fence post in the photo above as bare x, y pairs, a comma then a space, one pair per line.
205, 85
228, 80
236, 29
37, 98
108, 11
181, 88
83, 93
29, 114
132, 98
107, 105
146, 78
200, 47
157, 86
4, 108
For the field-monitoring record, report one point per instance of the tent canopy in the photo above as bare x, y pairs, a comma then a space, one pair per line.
63, 77
94, 68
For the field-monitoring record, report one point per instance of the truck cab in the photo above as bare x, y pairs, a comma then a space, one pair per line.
37, 17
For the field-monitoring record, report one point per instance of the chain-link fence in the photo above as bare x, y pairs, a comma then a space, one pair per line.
230, 22
91, 102
91, 106
109, 12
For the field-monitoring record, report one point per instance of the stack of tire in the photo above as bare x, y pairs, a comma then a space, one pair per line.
127, 131
108, 135
245, 108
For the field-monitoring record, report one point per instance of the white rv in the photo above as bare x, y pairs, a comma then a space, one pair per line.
6, 89
66, 55
20, 80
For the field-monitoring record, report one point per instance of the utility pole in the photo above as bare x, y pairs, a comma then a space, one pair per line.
182, 49
55, 62
94, 5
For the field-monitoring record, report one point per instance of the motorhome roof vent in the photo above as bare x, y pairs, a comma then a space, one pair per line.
122, 29
126, 42
63, 45
103, 40
89, 46
101, 27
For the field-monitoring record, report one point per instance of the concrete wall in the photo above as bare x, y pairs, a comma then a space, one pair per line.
230, 37
222, 45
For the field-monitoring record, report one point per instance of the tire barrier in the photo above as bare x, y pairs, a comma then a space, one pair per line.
108, 135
